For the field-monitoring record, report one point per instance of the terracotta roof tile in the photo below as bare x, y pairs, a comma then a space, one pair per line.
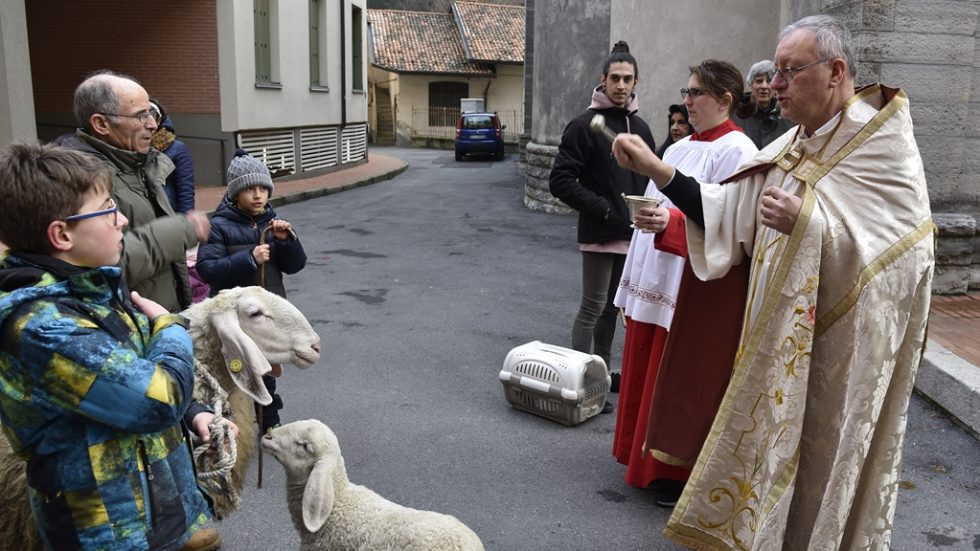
419, 42
491, 32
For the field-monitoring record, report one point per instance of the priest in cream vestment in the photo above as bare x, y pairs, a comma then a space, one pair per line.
834, 217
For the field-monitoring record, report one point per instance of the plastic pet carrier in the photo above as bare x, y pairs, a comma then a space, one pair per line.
555, 382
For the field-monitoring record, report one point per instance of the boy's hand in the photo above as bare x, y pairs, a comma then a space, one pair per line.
261, 253
147, 306
280, 229
201, 425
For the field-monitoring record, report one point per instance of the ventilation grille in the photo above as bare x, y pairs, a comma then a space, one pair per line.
318, 148
536, 403
353, 142
538, 371
275, 149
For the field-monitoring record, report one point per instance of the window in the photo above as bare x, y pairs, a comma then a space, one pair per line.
357, 49
314, 43
263, 57
266, 17
444, 102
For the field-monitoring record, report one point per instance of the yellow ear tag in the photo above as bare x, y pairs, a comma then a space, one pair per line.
235, 366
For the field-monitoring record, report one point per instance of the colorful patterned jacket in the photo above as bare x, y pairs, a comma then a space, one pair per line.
92, 395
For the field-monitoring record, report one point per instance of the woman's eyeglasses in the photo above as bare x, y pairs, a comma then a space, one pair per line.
693, 92
113, 210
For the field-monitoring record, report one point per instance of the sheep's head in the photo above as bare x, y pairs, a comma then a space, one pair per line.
309, 452
257, 329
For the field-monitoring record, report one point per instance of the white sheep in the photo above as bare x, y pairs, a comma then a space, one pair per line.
332, 514
237, 335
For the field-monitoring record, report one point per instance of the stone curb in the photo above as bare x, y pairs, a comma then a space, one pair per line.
952, 383
304, 195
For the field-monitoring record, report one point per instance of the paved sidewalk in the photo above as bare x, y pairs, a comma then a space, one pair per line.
376, 169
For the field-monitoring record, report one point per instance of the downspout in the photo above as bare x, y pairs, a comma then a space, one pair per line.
343, 64
486, 92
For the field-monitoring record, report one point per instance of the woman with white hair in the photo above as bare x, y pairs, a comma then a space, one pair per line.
758, 114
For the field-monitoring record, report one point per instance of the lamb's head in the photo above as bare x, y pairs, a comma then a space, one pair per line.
310, 454
256, 328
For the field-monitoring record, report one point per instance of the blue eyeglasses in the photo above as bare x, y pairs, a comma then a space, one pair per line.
113, 210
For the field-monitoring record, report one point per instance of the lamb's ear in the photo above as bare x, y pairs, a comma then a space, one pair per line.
245, 362
318, 496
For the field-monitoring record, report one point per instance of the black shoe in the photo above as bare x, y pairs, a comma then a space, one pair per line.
668, 492
614, 385
608, 407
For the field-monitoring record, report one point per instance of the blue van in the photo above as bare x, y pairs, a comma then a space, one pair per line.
479, 133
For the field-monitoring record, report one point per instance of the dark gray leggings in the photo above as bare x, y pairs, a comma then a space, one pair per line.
595, 324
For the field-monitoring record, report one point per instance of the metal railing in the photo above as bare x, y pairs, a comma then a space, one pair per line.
440, 122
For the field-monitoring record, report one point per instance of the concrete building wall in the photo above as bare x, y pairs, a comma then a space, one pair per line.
661, 37
290, 101
571, 41
16, 93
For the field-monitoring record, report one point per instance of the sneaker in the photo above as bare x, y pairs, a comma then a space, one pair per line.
205, 539
614, 385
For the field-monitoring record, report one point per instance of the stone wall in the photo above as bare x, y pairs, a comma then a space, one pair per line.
927, 47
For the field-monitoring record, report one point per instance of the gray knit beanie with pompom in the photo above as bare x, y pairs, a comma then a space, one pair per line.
246, 171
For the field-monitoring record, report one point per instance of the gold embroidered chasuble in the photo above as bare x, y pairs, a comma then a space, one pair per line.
805, 448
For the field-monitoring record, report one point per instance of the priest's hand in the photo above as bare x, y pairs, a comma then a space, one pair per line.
779, 209
632, 153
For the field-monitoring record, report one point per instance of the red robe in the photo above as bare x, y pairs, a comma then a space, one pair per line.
641, 371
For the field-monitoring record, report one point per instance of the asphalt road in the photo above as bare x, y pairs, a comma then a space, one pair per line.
419, 286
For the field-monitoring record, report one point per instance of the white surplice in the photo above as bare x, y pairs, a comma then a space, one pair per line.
651, 277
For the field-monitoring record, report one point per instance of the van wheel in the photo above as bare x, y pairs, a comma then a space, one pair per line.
459, 156
499, 156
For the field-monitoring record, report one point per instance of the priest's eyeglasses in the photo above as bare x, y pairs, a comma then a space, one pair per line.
789, 73
113, 210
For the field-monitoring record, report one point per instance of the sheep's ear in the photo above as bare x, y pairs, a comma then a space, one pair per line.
245, 362
318, 496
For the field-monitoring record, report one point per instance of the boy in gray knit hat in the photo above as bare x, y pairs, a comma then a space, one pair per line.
233, 256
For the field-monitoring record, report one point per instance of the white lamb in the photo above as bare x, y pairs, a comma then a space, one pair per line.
331, 514
236, 335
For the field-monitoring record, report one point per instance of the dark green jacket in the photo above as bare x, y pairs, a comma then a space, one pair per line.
156, 241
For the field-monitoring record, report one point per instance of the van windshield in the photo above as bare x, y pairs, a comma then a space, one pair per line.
478, 122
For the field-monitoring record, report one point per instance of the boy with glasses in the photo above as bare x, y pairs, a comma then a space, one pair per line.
94, 381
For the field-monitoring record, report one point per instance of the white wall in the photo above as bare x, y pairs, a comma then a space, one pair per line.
245, 106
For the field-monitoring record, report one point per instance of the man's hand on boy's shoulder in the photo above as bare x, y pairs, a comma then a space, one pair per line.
281, 229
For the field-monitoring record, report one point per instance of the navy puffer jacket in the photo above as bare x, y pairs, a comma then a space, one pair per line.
226, 261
